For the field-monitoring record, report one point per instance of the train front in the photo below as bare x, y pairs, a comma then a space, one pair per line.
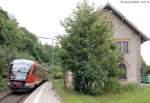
18, 73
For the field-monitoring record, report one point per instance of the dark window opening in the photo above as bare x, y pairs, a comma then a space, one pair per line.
122, 66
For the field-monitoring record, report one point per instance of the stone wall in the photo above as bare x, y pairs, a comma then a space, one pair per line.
68, 79
132, 58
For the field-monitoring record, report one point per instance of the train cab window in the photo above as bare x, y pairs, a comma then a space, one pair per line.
19, 71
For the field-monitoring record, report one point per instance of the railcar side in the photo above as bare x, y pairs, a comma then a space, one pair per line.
25, 74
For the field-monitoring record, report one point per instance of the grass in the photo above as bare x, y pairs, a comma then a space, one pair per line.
141, 95
3, 84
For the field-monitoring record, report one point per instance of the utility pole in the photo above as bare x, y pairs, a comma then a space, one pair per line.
52, 53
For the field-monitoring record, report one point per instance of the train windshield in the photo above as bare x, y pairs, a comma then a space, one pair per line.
19, 71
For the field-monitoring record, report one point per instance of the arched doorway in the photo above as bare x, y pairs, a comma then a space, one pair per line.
122, 66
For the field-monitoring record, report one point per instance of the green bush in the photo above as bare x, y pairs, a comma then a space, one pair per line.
113, 86
3, 83
56, 71
130, 87
58, 75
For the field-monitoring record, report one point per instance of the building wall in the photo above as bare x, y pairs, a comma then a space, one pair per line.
132, 58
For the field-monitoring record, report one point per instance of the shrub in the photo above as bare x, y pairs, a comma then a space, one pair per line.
130, 87
114, 86
58, 75
145, 69
3, 83
56, 71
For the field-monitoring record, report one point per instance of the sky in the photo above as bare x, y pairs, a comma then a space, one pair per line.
42, 17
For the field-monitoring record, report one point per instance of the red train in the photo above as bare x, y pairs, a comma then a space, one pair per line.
25, 74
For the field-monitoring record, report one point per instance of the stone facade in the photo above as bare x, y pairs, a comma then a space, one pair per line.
125, 31
132, 58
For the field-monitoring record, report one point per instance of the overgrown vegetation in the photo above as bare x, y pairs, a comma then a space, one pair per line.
88, 52
128, 94
145, 69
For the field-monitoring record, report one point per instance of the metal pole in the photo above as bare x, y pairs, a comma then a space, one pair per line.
52, 55
52, 62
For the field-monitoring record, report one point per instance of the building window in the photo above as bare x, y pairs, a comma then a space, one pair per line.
123, 46
122, 66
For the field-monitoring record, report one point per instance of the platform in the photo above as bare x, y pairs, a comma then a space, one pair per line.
43, 94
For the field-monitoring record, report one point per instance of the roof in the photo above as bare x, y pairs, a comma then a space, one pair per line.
24, 61
28, 62
108, 6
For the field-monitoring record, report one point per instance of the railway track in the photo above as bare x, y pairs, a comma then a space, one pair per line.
17, 97
14, 97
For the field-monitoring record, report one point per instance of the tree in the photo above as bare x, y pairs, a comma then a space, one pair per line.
145, 69
87, 50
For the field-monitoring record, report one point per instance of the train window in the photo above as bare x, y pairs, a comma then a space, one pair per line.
18, 76
21, 67
19, 71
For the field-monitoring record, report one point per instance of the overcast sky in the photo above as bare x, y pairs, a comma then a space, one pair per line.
42, 17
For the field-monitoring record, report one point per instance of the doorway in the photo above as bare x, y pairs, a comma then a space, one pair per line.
123, 75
